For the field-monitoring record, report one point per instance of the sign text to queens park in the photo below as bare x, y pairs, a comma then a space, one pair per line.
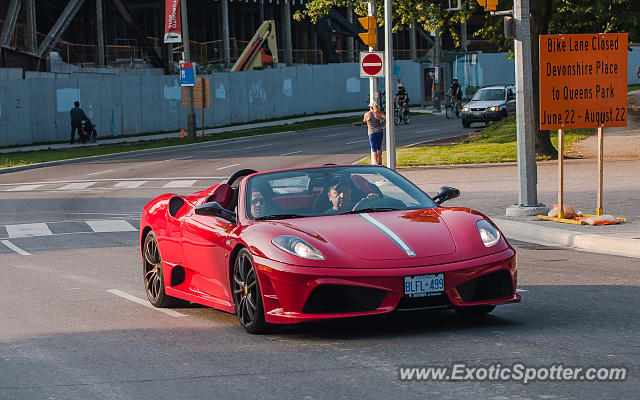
583, 80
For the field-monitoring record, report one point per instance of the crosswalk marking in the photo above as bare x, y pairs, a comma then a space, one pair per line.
23, 188
27, 230
76, 186
15, 248
179, 184
110, 225
129, 184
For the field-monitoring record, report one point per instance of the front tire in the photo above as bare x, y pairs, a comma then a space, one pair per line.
407, 117
466, 124
246, 294
449, 113
153, 275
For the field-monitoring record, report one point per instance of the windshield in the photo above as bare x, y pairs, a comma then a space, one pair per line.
488, 95
322, 191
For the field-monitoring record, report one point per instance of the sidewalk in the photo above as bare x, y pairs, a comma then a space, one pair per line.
490, 189
102, 140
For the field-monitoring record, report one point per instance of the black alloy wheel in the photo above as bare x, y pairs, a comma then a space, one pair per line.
246, 294
153, 278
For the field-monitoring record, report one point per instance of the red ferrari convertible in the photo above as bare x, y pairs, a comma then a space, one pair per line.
301, 244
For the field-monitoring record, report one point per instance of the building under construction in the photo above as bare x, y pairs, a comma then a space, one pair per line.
94, 33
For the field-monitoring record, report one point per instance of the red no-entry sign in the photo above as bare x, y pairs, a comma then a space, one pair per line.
371, 64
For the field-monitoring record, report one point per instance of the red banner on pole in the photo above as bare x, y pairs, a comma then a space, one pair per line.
172, 28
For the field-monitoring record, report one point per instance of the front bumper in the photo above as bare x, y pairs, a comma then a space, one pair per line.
289, 297
481, 116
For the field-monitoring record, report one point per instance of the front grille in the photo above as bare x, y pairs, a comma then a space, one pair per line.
411, 303
477, 109
334, 299
486, 287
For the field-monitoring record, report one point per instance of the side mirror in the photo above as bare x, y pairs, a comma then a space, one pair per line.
216, 210
446, 193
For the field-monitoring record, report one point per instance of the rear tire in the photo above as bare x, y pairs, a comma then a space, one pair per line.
474, 311
406, 117
153, 275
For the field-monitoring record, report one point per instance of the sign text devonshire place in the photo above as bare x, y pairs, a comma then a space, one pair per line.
583, 80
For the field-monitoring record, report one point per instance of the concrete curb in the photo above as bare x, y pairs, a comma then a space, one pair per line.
560, 237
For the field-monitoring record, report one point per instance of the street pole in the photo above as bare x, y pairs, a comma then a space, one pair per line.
388, 84
100, 33
374, 86
436, 102
224, 10
527, 173
191, 115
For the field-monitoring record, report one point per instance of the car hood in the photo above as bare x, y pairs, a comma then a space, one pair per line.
485, 103
390, 235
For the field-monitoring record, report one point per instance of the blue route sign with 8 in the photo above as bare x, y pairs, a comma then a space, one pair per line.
187, 74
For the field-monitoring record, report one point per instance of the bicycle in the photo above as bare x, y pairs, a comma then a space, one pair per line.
401, 114
449, 108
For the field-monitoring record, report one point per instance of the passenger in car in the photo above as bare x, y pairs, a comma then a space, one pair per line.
258, 205
340, 197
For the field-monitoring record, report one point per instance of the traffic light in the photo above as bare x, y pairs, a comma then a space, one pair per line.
369, 37
489, 5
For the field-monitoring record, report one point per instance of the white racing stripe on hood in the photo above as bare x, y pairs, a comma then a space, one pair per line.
389, 233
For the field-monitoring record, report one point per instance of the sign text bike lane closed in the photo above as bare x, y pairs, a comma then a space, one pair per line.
583, 80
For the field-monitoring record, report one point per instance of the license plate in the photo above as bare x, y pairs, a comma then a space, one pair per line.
477, 115
423, 285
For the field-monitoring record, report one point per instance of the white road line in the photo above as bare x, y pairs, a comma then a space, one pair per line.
228, 166
255, 147
180, 183
357, 141
521, 290
413, 144
178, 158
28, 230
428, 130
101, 172
293, 152
339, 134
15, 248
145, 303
110, 225
77, 185
23, 188
129, 184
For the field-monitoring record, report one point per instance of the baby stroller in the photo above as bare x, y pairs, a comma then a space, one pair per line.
89, 131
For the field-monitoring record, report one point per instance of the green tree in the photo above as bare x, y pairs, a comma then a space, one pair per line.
547, 17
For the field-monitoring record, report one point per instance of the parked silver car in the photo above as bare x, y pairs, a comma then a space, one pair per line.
490, 103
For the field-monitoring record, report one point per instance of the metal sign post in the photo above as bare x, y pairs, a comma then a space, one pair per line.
388, 84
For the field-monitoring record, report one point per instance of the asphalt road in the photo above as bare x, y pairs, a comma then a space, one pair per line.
75, 323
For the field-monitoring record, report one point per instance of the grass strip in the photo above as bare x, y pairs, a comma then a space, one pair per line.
31, 157
631, 88
495, 144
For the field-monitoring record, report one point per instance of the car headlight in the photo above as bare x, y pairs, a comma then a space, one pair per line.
465, 109
296, 246
489, 234
494, 108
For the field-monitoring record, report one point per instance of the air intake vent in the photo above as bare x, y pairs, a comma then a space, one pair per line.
334, 299
486, 287
174, 205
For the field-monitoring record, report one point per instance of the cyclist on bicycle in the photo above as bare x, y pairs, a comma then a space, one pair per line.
456, 93
402, 98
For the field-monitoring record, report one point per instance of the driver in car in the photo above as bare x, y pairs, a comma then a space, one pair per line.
340, 198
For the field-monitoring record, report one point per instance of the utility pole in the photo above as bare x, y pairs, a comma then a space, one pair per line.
388, 83
527, 169
224, 10
100, 33
436, 62
191, 115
